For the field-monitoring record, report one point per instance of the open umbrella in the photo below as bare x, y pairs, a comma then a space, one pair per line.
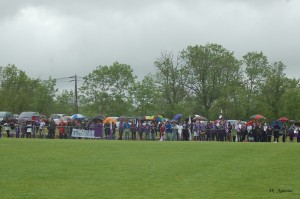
109, 120
99, 117
283, 119
200, 118
158, 118
77, 116
274, 123
250, 123
177, 117
122, 119
297, 124
148, 118
257, 117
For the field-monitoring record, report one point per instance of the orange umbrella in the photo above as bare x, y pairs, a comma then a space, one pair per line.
109, 120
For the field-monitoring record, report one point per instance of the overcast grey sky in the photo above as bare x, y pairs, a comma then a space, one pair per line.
66, 37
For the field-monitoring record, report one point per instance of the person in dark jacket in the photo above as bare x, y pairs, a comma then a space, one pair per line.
276, 133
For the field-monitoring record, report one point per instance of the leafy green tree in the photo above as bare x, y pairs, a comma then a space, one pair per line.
290, 100
64, 102
21, 93
107, 88
171, 78
256, 69
213, 70
276, 84
145, 94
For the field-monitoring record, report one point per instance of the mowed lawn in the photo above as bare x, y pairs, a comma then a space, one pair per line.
35, 168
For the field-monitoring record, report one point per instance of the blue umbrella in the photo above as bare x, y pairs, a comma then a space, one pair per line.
77, 116
177, 117
276, 122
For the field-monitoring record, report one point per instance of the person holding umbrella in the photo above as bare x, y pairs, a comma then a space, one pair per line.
276, 133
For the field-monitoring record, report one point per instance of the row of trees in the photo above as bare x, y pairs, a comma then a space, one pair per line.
202, 79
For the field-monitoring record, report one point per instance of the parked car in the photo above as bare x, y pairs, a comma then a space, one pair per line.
57, 117
66, 118
4, 115
28, 116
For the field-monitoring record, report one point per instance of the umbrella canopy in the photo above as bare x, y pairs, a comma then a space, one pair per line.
250, 123
257, 117
274, 123
297, 124
158, 118
99, 117
283, 119
123, 119
149, 117
77, 116
177, 117
200, 118
109, 120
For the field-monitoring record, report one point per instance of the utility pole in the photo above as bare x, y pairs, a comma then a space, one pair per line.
76, 94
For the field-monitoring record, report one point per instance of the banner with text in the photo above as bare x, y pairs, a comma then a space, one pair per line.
83, 133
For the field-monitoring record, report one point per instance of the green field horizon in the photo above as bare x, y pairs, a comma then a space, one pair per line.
43, 168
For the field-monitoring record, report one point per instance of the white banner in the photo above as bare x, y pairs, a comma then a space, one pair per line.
83, 133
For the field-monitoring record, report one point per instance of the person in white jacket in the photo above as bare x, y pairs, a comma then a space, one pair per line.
179, 128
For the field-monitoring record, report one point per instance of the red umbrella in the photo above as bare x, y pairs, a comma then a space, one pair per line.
283, 119
249, 123
257, 117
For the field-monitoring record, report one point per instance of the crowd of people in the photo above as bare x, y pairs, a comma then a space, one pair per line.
153, 130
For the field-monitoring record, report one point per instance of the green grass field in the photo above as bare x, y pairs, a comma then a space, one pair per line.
40, 168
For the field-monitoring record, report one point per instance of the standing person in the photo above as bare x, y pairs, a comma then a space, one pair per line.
7, 129
264, 137
29, 129
121, 130
133, 130
298, 135
191, 129
284, 132
197, 127
291, 133
114, 127
185, 131
98, 129
153, 127
69, 126
168, 130
18, 130
276, 133
1, 124
162, 131
23, 129
228, 129
269, 133
147, 129
12, 128
51, 129
41, 129
157, 127
140, 130
61, 129
174, 131
202, 132
179, 128
239, 132
106, 130
127, 128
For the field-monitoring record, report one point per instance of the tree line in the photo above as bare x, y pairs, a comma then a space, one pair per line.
201, 79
